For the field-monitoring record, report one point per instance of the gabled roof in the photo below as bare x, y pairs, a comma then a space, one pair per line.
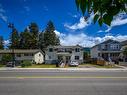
124, 43
20, 51
59, 46
107, 41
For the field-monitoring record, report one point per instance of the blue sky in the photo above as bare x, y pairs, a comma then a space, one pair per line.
69, 23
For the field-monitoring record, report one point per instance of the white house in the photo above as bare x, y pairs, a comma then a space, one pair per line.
63, 53
35, 55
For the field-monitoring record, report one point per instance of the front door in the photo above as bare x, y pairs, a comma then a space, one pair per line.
68, 59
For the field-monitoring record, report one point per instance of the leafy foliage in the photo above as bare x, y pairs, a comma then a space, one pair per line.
104, 10
125, 52
26, 64
6, 58
1, 42
29, 38
48, 37
14, 39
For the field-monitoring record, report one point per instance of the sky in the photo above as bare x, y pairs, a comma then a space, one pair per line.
69, 23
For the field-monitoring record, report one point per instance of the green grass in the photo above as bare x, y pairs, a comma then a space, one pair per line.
98, 66
41, 66
2, 65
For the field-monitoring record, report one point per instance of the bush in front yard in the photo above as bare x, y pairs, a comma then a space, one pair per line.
26, 63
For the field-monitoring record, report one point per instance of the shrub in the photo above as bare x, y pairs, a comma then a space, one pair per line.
26, 63
6, 58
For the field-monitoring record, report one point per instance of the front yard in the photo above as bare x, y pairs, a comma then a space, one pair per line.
40, 66
2, 65
54, 66
97, 66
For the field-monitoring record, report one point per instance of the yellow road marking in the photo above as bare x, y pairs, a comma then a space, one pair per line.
62, 77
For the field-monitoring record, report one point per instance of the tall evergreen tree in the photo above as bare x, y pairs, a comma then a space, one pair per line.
34, 30
50, 37
14, 39
25, 38
1, 43
41, 41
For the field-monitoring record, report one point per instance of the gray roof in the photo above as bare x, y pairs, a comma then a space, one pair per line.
20, 51
124, 43
59, 46
107, 41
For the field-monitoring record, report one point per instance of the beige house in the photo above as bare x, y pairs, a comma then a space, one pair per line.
64, 53
34, 55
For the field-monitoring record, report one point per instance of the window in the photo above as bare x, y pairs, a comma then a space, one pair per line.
76, 57
49, 57
18, 55
103, 46
114, 46
31, 54
50, 49
77, 50
39, 54
26, 54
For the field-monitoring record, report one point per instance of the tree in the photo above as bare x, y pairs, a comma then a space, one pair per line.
50, 37
25, 38
6, 58
14, 39
34, 30
125, 52
29, 38
33, 27
1, 43
104, 10
41, 41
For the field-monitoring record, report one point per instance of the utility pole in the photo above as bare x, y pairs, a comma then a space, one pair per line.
11, 26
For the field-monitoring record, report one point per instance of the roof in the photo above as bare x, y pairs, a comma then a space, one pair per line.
59, 46
107, 41
20, 51
124, 43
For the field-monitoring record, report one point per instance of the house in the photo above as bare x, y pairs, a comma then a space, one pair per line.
86, 52
63, 53
35, 55
124, 55
108, 50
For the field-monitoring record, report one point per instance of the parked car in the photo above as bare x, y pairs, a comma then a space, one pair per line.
9, 64
74, 63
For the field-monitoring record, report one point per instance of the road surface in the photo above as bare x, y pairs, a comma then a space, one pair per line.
49, 82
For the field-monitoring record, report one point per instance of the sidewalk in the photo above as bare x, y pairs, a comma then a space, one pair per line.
69, 69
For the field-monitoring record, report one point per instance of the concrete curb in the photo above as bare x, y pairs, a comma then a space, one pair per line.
69, 69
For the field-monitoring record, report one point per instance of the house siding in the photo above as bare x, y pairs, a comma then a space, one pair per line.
67, 53
109, 48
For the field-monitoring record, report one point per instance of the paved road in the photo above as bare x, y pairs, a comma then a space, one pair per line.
48, 82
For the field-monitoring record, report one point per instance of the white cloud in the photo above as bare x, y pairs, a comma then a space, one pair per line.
3, 17
57, 33
75, 16
100, 31
81, 24
118, 20
85, 40
6, 42
27, 8
2, 14
45, 8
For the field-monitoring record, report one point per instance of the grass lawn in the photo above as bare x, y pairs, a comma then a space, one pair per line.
97, 66
41, 66
2, 65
